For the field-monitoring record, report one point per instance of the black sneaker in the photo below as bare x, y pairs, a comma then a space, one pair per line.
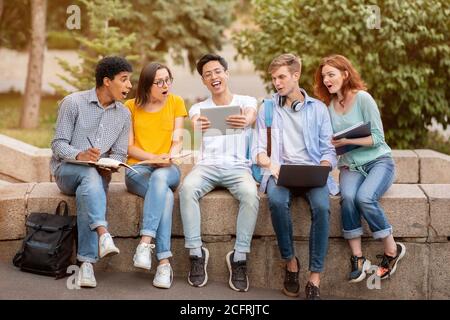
360, 265
388, 264
197, 275
238, 273
291, 286
312, 292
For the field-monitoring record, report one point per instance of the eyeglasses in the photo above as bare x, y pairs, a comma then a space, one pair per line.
209, 74
160, 83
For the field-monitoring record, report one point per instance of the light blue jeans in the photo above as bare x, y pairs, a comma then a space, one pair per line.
360, 196
156, 186
203, 179
90, 189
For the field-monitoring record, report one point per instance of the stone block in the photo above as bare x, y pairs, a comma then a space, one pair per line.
123, 209
439, 200
8, 249
407, 166
409, 282
440, 271
434, 166
219, 213
33, 161
13, 210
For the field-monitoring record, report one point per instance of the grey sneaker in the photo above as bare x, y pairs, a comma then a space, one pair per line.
198, 276
360, 265
238, 280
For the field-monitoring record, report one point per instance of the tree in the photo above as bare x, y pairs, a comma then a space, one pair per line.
179, 28
1, 9
15, 24
403, 54
104, 38
32, 96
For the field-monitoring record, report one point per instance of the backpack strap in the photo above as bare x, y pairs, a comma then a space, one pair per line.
58, 209
268, 112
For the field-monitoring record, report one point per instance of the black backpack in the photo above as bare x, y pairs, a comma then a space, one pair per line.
48, 246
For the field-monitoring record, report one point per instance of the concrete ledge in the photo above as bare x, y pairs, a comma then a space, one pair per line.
407, 166
34, 162
439, 200
219, 211
434, 166
12, 211
413, 166
439, 286
422, 274
123, 211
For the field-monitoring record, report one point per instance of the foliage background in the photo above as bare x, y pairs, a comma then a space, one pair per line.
406, 62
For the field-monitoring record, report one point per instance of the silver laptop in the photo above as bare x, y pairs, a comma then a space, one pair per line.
217, 116
303, 176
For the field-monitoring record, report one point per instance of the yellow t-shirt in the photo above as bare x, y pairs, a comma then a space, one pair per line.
153, 130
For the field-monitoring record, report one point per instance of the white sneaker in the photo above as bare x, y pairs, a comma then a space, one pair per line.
86, 276
163, 276
106, 246
143, 256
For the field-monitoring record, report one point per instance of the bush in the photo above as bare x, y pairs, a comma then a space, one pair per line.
63, 40
405, 62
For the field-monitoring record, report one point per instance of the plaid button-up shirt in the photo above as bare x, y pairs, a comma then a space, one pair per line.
81, 116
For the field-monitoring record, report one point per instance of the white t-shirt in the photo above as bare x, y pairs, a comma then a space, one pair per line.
226, 151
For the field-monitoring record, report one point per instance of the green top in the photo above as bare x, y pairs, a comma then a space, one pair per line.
363, 109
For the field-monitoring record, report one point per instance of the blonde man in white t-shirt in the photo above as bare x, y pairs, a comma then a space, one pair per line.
222, 163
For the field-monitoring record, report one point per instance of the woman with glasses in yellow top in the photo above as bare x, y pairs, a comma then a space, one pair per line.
156, 134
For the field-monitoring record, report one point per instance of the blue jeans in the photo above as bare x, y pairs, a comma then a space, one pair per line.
360, 195
204, 179
156, 186
280, 200
90, 189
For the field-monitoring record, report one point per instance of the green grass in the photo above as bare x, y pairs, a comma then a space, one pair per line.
10, 108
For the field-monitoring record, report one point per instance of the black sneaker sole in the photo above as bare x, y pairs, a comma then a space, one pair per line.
228, 260
206, 252
291, 294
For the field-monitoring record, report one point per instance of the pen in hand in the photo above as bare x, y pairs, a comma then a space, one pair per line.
90, 142
93, 152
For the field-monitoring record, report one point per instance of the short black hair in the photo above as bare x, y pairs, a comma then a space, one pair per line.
210, 57
109, 67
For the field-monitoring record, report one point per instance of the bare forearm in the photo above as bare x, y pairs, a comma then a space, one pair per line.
176, 147
263, 160
140, 154
366, 141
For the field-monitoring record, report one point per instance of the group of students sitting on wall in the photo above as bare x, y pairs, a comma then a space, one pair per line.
150, 126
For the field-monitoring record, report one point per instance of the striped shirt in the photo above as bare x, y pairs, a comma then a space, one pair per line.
81, 116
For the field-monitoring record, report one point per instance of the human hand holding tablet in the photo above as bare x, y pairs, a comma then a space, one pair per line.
222, 119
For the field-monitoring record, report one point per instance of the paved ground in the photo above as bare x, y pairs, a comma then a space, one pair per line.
15, 284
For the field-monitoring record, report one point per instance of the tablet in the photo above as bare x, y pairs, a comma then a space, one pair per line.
295, 175
217, 116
